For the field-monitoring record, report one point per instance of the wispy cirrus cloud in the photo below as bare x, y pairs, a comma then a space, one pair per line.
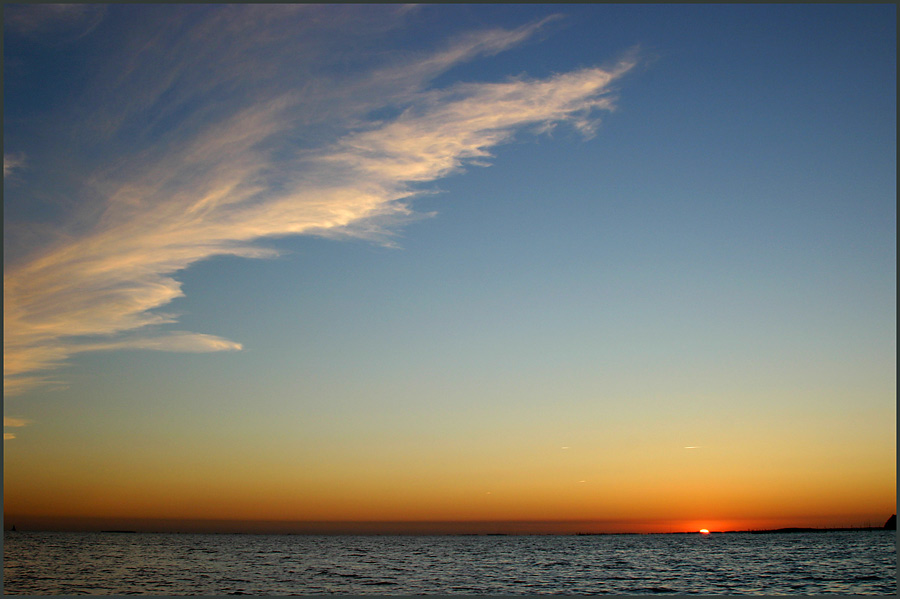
248, 171
11, 422
12, 162
56, 22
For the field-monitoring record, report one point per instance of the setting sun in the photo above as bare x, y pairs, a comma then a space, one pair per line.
703, 531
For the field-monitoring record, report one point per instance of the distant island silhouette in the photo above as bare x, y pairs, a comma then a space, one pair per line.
891, 524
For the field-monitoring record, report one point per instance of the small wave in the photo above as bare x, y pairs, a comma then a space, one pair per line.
656, 590
347, 575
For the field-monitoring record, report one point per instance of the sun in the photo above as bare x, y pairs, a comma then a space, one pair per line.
703, 531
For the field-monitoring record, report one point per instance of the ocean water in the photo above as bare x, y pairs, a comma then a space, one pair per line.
858, 563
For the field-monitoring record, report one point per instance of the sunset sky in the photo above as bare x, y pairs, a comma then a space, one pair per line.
613, 267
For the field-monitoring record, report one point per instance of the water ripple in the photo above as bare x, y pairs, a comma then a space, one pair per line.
858, 563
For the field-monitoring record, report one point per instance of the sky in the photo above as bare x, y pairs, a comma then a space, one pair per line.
555, 268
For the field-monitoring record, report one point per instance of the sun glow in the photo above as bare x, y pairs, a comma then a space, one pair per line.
703, 531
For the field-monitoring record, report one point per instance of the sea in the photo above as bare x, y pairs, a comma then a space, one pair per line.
820, 563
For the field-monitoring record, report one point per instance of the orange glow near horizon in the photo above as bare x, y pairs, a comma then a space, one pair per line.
521, 477
552, 496
224, 500
541, 509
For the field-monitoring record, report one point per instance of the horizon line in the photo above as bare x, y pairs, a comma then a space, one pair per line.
403, 527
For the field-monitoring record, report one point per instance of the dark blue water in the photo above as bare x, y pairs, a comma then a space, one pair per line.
857, 563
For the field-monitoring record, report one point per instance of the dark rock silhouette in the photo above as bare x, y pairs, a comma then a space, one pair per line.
891, 523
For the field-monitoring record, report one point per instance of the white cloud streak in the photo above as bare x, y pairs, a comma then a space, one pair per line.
53, 21
12, 163
228, 184
11, 422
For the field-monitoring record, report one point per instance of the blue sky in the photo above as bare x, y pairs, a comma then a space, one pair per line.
387, 225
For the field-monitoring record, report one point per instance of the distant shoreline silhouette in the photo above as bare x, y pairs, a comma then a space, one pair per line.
891, 524
402, 528
781, 530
